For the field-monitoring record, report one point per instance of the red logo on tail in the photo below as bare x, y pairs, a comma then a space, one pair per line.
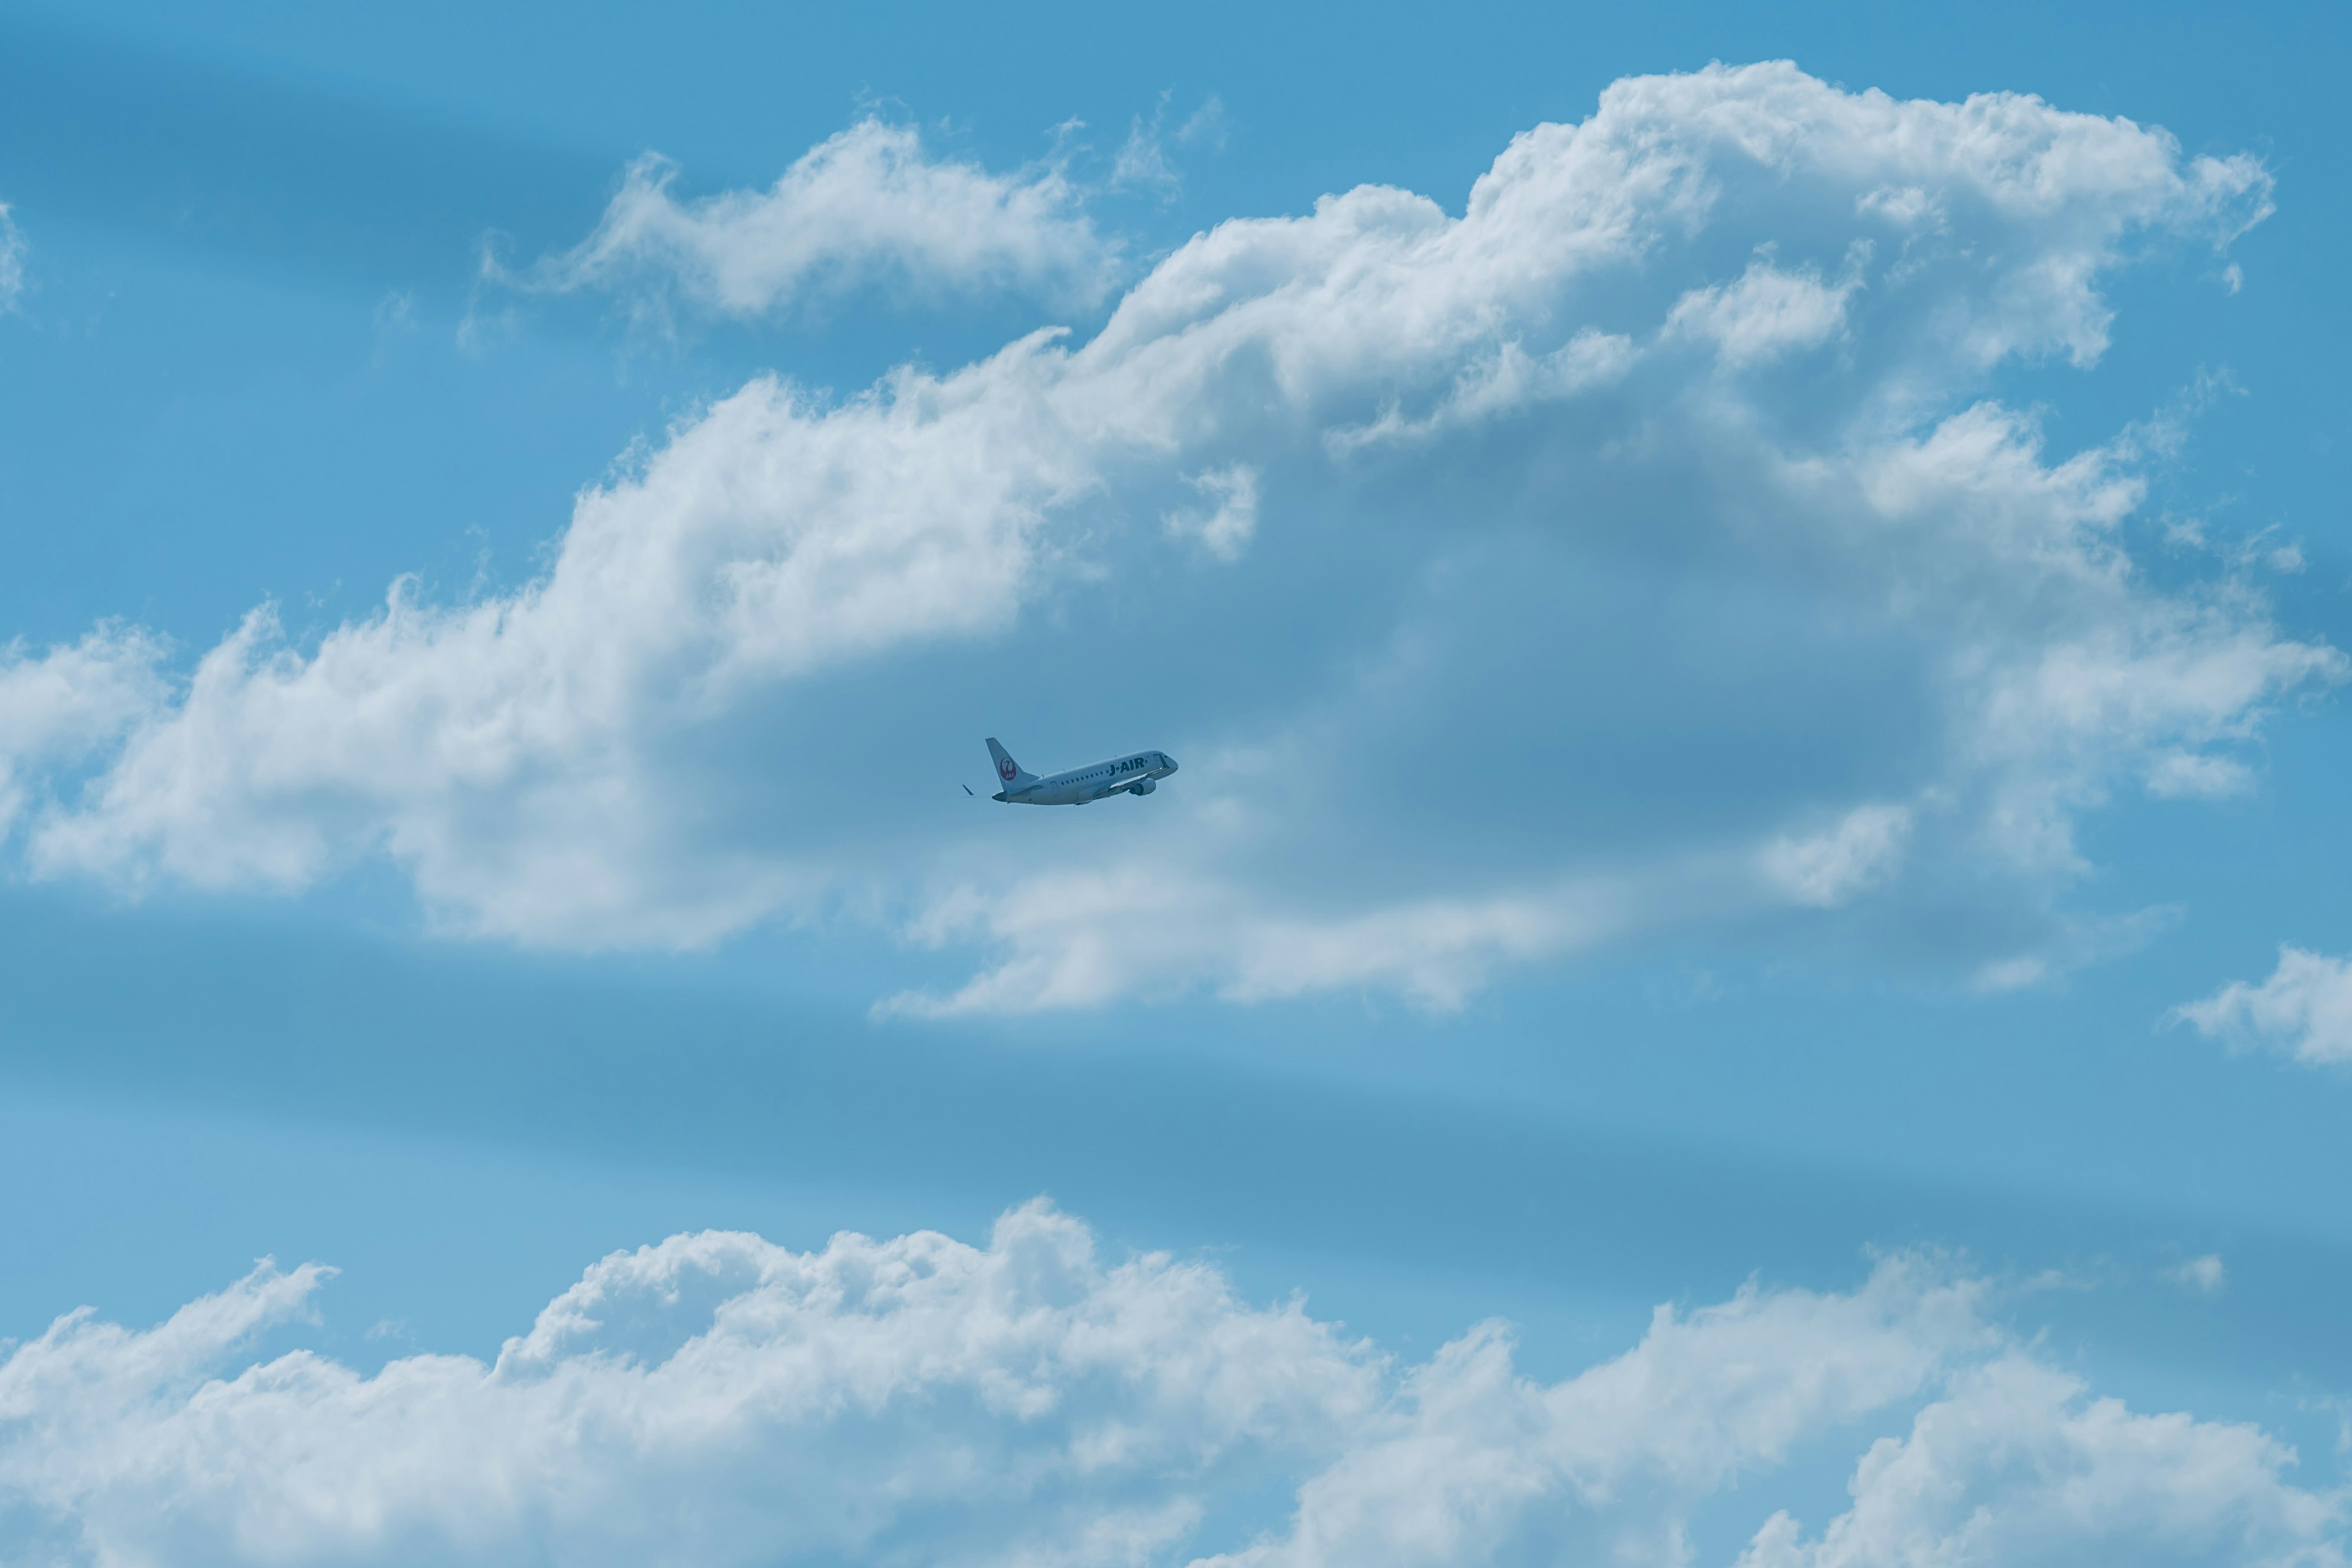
1006, 769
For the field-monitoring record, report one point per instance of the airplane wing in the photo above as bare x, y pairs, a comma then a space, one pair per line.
1123, 780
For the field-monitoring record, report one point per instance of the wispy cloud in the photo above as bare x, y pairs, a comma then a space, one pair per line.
1230, 518
2304, 1009
869, 209
2204, 1275
13, 247
1144, 162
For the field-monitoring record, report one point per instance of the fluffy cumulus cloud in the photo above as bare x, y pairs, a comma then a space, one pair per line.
2018, 1464
1642, 547
717, 1399
870, 205
2304, 1008
62, 706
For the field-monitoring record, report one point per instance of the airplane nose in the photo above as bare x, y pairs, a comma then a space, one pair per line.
1170, 762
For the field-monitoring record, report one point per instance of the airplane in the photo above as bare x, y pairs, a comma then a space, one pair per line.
1137, 772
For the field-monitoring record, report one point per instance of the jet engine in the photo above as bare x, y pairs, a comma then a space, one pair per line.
1143, 786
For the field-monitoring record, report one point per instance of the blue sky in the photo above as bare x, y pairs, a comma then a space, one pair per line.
1757, 654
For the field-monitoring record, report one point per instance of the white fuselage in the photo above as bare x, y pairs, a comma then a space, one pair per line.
1136, 773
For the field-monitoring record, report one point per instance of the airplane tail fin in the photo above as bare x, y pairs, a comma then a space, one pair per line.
1011, 771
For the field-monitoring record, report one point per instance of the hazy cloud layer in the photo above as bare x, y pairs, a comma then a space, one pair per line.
12, 259
1661, 493
717, 1399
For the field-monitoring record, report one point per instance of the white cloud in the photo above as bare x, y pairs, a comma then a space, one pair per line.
2017, 1464
2017, 973
2075, 941
2304, 1008
1829, 868
2198, 775
1143, 163
1086, 937
12, 259
2203, 1275
1206, 124
1763, 315
1225, 531
1504, 520
717, 1399
1904, 207
1474, 1463
2115, 679
59, 708
1508, 381
868, 205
